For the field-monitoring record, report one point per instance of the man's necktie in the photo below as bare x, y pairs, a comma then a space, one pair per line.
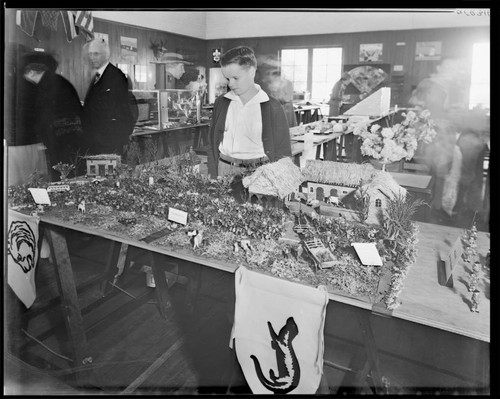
97, 77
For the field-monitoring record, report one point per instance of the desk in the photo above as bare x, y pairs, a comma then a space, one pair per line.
171, 141
433, 330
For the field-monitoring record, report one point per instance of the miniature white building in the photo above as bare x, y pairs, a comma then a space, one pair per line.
339, 179
102, 164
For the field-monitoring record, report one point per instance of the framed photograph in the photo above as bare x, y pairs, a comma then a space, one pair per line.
104, 36
428, 51
370, 52
128, 47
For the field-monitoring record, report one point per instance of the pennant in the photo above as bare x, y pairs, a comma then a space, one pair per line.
49, 19
26, 19
68, 19
85, 21
22, 255
278, 333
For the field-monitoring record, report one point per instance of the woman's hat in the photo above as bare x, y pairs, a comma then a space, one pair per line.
172, 58
38, 58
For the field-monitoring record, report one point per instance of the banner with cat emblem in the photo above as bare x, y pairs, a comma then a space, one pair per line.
278, 333
22, 255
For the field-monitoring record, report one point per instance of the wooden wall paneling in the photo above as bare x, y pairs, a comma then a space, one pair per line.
455, 41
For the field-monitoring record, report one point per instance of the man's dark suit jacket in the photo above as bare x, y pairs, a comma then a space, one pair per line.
107, 115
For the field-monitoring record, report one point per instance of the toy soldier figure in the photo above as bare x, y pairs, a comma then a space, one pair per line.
475, 301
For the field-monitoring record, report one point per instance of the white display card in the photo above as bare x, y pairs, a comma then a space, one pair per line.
177, 216
40, 195
368, 253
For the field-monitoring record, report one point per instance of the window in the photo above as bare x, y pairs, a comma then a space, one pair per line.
480, 76
294, 68
378, 203
327, 68
315, 70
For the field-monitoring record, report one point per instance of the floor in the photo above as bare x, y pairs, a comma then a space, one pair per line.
133, 349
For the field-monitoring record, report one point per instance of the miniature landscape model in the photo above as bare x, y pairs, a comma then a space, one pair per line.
291, 223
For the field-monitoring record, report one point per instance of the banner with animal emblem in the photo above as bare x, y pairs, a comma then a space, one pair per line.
22, 254
278, 333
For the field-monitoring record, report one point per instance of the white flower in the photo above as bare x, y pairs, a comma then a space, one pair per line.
387, 132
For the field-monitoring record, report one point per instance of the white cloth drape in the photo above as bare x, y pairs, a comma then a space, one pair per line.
278, 333
22, 255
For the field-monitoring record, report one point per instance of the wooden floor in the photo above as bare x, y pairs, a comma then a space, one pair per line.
134, 350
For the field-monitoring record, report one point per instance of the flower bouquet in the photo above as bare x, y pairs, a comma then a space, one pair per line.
395, 141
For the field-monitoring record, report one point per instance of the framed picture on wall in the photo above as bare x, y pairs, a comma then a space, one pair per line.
128, 47
425, 51
104, 36
371, 52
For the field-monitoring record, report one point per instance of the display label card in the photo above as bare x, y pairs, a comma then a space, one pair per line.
177, 216
40, 195
368, 253
59, 187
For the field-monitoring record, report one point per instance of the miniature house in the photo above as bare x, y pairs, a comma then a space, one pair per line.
327, 178
102, 164
273, 183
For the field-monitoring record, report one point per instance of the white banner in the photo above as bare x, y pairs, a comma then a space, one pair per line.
22, 255
278, 333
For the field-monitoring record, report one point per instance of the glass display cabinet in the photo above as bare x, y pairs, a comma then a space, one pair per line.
162, 109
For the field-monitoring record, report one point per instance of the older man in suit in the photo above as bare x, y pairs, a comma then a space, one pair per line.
107, 114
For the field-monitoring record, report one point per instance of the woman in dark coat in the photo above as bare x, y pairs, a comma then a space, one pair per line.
57, 111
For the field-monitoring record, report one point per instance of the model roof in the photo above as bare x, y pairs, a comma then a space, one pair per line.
278, 178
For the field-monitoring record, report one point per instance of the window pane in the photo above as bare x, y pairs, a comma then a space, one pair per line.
294, 67
327, 68
480, 76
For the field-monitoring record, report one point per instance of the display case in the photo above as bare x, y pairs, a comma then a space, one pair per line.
161, 109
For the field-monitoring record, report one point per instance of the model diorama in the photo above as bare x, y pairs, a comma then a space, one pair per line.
261, 227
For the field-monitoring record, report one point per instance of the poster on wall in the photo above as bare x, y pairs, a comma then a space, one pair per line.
104, 36
371, 52
425, 51
128, 47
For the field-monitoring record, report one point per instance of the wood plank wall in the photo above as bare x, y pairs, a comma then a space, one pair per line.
455, 42
74, 66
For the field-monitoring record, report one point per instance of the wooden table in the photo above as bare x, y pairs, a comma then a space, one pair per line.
431, 319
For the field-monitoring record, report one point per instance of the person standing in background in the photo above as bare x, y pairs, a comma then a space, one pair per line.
248, 127
458, 143
282, 89
58, 112
336, 96
108, 119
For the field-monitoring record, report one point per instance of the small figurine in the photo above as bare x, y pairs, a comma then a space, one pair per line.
197, 237
475, 301
473, 280
81, 206
476, 268
245, 244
